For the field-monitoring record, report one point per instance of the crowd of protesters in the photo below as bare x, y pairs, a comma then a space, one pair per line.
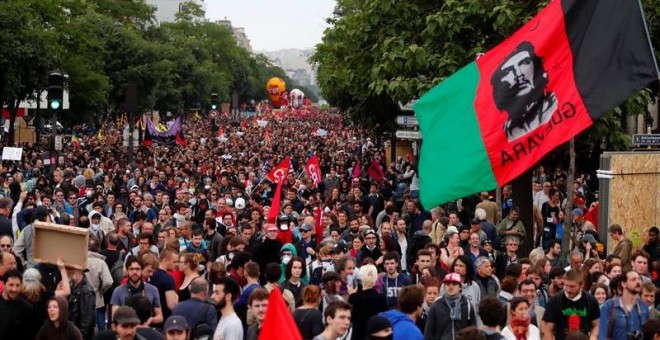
181, 246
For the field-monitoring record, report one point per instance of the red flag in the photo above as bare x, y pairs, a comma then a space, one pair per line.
180, 140
318, 227
278, 174
592, 215
357, 169
375, 171
279, 322
275, 206
313, 170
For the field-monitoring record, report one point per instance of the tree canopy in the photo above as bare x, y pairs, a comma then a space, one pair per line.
102, 45
378, 52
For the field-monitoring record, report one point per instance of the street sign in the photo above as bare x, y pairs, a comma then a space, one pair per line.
408, 106
407, 134
407, 120
650, 139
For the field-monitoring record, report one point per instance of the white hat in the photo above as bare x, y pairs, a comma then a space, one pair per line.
240, 203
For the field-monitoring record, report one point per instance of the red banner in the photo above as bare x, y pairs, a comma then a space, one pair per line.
278, 174
313, 170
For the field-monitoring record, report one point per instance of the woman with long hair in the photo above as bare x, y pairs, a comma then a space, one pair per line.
188, 266
464, 267
294, 272
308, 317
520, 327
601, 292
58, 326
357, 244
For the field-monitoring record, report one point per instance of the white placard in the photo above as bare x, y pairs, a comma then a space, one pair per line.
12, 154
262, 123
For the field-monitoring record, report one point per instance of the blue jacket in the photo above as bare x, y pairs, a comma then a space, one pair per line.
622, 324
403, 327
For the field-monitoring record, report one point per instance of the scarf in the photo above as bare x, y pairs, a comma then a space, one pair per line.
519, 327
454, 304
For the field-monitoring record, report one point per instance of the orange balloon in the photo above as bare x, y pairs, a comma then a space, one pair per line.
275, 87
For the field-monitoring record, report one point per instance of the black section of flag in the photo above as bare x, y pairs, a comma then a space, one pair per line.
612, 57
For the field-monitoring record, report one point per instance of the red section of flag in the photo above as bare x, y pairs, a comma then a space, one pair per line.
279, 322
375, 171
180, 140
313, 170
517, 131
275, 206
221, 132
592, 215
357, 170
278, 174
318, 226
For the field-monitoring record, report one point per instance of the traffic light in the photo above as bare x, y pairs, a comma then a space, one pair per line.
55, 91
214, 101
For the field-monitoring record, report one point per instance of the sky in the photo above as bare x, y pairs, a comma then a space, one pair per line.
273, 25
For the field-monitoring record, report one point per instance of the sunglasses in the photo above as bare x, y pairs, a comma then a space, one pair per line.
5, 245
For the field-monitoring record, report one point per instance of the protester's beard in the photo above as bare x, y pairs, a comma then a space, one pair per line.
221, 304
135, 279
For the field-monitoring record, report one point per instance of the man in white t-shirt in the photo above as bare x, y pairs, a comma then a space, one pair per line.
225, 292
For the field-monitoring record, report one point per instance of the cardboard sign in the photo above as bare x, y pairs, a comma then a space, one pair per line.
53, 241
12, 154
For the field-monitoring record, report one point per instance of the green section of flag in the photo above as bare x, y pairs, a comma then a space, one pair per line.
453, 161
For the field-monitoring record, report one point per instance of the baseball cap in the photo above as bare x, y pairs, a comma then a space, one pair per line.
32, 275
369, 232
135, 188
341, 247
578, 212
463, 228
306, 227
175, 323
125, 315
452, 277
475, 221
240, 203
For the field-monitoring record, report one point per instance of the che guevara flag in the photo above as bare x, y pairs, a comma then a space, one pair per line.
496, 117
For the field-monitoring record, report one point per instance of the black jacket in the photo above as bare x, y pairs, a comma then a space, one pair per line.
82, 308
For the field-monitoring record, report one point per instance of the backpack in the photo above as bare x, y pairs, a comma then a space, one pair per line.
202, 330
117, 269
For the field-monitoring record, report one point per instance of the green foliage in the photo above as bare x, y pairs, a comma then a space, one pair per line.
102, 45
378, 52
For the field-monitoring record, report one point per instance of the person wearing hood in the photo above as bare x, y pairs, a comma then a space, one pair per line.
287, 252
452, 306
58, 326
403, 319
101, 221
379, 328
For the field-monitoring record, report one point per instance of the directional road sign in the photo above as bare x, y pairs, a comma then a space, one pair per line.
407, 120
648, 139
407, 134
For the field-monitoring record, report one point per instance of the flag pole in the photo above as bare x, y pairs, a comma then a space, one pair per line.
648, 37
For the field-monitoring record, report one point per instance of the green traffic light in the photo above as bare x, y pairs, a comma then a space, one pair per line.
55, 104
214, 106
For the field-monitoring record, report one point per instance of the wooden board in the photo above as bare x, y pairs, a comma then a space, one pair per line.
53, 241
635, 195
